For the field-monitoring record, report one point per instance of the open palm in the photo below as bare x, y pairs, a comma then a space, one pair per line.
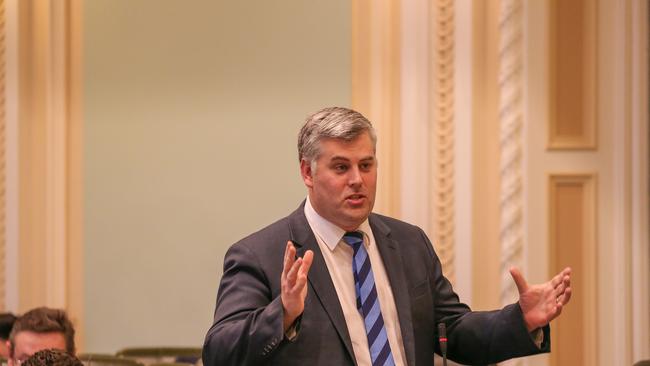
543, 302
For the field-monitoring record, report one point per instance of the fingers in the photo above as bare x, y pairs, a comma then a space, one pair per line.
566, 282
561, 293
561, 284
289, 258
303, 270
560, 301
565, 297
520, 281
292, 275
307, 259
561, 277
294, 283
557, 312
295, 269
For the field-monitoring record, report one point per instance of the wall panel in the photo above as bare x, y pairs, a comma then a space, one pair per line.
572, 213
573, 63
191, 113
376, 88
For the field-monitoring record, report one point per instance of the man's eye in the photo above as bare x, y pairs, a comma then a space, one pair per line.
340, 168
366, 166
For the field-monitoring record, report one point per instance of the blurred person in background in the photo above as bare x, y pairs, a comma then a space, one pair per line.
52, 357
38, 329
6, 322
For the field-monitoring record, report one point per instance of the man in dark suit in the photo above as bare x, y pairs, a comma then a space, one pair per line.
334, 284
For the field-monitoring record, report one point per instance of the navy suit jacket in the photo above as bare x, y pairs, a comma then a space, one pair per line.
248, 327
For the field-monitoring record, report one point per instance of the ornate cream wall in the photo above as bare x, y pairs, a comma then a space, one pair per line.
478, 145
558, 156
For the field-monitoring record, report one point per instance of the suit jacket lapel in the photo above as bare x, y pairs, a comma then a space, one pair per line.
392, 258
319, 277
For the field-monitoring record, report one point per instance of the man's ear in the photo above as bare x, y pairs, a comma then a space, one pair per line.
306, 173
10, 351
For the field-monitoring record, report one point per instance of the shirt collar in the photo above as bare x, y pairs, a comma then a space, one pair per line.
328, 232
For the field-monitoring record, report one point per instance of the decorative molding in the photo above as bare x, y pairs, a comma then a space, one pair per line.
572, 242
511, 232
50, 270
75, 186
463, 146
443, 139
42, 111
416, 178
640, 164
572, 75
485, 155
11, 125
376, 88
3, 157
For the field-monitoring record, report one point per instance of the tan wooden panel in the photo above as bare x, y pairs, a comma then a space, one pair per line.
572, 74
485, 158
572, 236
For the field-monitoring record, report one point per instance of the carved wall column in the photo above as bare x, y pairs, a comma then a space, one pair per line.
511, 125
442, 141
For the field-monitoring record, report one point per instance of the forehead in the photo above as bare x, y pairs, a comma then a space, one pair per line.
27, 343
360, 147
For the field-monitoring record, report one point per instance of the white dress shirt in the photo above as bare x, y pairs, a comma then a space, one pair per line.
338, 258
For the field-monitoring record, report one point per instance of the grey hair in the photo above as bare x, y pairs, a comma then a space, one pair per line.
333, 122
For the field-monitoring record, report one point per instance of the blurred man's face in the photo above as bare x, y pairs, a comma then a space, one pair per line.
27, 343
342, 187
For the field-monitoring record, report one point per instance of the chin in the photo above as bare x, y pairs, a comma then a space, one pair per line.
355, 221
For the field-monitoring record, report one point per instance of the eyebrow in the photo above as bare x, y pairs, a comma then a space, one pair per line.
343, 158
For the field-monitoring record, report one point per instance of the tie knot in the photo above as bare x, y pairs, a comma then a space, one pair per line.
353, 238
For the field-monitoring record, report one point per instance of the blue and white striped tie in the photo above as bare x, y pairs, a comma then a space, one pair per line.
367, 301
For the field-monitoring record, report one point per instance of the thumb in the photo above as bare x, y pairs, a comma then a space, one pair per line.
520, 281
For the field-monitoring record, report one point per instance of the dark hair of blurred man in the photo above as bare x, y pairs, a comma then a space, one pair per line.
52, 357
6, 322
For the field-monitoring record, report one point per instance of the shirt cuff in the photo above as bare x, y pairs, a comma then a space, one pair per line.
538, 337
292, 333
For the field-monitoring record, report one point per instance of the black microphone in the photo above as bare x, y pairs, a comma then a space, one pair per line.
442, 339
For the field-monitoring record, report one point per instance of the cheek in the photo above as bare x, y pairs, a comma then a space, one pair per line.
333, 184
371, 179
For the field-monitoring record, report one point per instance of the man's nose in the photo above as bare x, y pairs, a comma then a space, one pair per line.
354, 177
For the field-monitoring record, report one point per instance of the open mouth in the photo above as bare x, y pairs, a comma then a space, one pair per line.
356, 199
